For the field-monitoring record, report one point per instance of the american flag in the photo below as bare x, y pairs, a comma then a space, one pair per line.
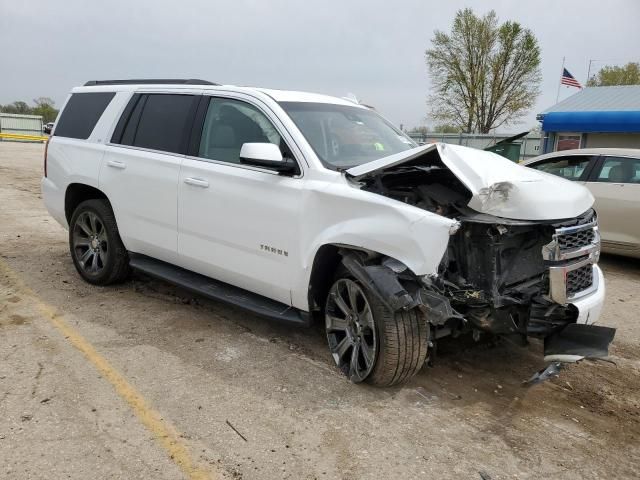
567, 79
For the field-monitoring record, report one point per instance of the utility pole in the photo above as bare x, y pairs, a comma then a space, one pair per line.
589, 71
560, 81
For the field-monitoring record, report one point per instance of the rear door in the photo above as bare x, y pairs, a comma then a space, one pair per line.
615, 184
141, 167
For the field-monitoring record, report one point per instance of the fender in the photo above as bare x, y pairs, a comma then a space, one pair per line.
345, 215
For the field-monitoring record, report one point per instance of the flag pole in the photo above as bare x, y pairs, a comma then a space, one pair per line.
560, 81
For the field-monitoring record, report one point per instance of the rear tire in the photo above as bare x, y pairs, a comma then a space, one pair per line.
398, 339
95, 245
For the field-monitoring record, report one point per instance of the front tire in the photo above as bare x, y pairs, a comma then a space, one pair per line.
369, 342
95, 245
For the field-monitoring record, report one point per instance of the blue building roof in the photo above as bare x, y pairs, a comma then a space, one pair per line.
596, 109
615, 121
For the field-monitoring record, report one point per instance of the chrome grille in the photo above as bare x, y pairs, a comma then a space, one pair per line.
579, 279
577, 239
571, 256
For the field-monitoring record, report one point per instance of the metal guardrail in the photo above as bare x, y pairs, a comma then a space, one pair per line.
28, 138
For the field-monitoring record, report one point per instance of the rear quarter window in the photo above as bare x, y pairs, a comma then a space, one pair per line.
81, 113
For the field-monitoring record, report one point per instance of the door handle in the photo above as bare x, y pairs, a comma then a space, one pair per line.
197, 182
117, 164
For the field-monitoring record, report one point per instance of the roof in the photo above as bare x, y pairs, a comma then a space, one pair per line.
623, 152
600, 99
294, 96
596, 109
277, 95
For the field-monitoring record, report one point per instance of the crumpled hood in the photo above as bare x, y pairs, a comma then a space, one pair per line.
498, 186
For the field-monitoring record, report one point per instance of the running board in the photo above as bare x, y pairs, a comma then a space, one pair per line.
220, 291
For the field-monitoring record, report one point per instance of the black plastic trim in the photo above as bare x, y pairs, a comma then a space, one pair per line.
188, 128
220, 291
124, 118
594, 163
193, 147
150, 81
595, 170
135, 116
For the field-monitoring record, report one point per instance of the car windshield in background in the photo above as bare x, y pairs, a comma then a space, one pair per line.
344, 136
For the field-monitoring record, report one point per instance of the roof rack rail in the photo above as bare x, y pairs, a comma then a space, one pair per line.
143, 81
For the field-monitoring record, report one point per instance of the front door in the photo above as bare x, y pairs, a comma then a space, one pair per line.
237, 223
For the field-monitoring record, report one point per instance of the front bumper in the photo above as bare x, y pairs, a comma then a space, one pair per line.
581, 339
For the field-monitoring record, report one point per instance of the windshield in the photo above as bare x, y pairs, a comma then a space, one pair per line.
344, 136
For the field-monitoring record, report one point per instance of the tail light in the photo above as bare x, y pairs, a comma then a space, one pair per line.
46, 150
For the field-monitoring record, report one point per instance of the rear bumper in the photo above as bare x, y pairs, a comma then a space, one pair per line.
53, 199
590, 306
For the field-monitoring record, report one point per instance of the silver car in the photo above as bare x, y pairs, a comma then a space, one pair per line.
613, 177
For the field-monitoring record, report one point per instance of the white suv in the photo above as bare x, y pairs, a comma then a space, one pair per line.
297, 205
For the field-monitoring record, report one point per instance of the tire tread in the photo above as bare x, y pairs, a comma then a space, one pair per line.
402, 344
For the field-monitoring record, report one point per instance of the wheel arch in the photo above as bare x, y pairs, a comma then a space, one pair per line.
325, 263
402, 334
76, 193
323, 268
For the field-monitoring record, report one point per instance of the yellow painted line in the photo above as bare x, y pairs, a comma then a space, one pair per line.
19, 136
161, 429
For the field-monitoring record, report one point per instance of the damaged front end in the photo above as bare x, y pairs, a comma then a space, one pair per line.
499, 275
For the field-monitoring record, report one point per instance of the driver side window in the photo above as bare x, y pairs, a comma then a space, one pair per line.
231, 123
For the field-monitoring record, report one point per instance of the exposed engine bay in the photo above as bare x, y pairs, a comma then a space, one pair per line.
498, 275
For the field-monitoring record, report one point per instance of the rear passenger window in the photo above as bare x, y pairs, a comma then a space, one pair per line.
160, 122
81, 113
620, 170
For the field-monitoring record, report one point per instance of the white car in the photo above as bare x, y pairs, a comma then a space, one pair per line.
299, 206
612, 175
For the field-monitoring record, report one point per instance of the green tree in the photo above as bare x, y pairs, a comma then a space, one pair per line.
614, 75
17, 107
421, 130
446, 128
484, 74
45, 107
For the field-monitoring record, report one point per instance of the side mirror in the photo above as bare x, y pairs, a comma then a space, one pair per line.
266, 155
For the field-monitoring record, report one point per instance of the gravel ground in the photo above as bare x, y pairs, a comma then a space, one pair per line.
202, 368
